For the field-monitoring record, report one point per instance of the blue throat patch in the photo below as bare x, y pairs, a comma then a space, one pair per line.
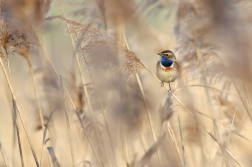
166, 62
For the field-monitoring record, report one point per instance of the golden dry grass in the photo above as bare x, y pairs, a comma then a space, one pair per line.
79, 86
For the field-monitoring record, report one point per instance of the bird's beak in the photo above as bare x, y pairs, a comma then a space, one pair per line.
159, 54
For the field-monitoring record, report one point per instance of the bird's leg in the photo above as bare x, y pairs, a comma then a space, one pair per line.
169, 87
162, 84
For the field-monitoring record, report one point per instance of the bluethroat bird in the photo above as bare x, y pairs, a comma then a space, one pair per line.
167, 68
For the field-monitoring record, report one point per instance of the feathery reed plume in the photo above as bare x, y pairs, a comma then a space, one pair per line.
166, 109
192, 37
17, 32
202, 40
96, 42
227, 109
116, 111
238, 41
104, 55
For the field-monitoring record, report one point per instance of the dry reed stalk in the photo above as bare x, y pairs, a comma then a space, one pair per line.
247, 98
37, 99
123, 145
85, 88
45, 133
17, 130
242, 100
89, 140
68, 124
200, 41
20, 147
72, 103
207, 131
149, 117
182, 144
47, 58
19, 36
19, 114
79, 28
209, 87
6, 160
130, 59
103, 112
203, 74
77, 60
230, 130
144, 98
127, 149
214, 156
171, 133
15, 126
103, 146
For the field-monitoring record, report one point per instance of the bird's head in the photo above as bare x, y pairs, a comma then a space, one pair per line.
167, 54
167, 58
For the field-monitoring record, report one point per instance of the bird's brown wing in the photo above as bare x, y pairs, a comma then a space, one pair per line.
157, 66
176, 65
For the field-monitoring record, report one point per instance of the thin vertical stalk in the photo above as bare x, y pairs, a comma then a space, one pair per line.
72, 103
169, 129
83, 83
244, 104
18, 110
15, 126
127, 149
20, 147
188, 111
230, 130
148, 115
109, 163
144, 98
89, 140
37, 100
182, 143
68, 126
211, 110
247, 97
76, 58
17, 130
6, 161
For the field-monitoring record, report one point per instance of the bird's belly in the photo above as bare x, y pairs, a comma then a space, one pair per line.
167, 75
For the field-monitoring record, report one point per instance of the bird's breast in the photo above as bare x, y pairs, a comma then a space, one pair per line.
167, 69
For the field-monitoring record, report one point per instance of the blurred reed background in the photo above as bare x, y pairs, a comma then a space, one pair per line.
78, 85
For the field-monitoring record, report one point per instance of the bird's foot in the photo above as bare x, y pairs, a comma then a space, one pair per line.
169, 90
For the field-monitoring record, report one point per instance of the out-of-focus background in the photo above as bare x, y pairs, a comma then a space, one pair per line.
78, 85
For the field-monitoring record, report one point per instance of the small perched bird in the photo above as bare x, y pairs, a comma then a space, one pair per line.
167, 67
